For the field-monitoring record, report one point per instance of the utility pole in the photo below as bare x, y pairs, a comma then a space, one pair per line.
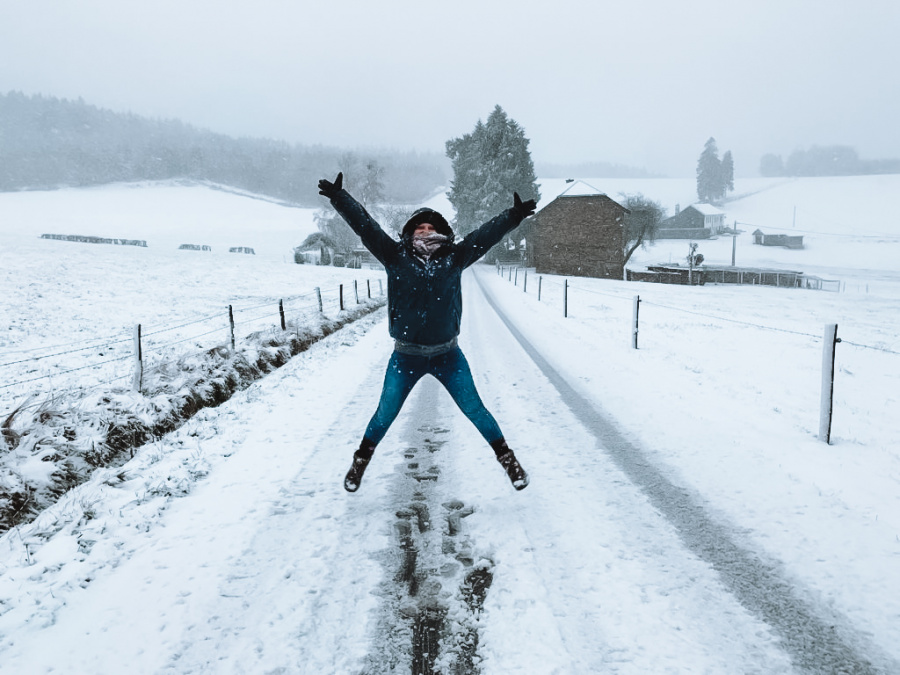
733, 241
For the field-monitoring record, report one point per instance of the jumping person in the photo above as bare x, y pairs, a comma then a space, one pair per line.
424, 309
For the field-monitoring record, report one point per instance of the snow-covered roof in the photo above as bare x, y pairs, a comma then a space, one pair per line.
707, 210
578, 188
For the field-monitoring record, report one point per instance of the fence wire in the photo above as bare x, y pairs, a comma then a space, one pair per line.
565, 284
298, 310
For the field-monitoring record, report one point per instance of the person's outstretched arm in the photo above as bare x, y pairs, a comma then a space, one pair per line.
379, 242
478, 242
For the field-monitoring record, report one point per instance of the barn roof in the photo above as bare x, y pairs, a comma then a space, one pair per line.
563, 198
579, 188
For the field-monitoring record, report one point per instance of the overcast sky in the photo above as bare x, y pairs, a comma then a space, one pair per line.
638, 82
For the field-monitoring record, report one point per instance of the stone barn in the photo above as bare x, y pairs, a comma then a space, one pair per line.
580, 235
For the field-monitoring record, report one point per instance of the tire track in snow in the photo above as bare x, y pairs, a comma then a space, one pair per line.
817, 639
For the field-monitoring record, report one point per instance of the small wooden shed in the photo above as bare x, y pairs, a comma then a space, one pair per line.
788, 241
580, 235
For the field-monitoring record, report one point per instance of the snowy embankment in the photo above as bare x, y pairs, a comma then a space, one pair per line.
228, 545
54, 445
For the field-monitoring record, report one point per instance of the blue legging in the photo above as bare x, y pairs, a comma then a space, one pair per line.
452, 370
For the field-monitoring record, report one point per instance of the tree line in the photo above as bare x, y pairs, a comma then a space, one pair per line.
46, 143
829, 160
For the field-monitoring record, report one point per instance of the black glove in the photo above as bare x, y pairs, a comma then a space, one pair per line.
524, 208
330, 189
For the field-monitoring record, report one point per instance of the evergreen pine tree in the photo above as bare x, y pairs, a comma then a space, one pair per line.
489, 164
709, 173
727, 173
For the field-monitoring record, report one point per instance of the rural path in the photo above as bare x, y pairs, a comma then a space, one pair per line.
436, 565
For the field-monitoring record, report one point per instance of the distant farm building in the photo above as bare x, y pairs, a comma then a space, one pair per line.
711, 274
785, 240
579, 235
242, 249
697, 221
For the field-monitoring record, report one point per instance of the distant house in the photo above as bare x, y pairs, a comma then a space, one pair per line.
316, 249
579, 235
697, 221
788, 241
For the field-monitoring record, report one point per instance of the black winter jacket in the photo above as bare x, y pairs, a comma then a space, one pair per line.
424, 298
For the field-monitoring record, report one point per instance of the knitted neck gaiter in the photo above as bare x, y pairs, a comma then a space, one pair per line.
425, 245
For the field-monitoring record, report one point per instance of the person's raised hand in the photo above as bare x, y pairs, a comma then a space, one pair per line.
330, 189
524, 208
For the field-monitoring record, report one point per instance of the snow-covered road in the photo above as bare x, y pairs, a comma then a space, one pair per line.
265, 565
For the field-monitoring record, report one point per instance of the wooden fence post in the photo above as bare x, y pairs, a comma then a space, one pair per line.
356, 291
138, 360
566, 299
381, 286
516, 282
540, 281
827, 406
319, 296
281, 312
525, 282
369, 289
341, 297
634, 328
231, 324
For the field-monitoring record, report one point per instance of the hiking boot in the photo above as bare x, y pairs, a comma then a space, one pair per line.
361, 459
514, 470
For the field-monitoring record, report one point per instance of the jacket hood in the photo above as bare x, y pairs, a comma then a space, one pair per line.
426, 215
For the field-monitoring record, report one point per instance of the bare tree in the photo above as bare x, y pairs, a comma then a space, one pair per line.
641, 222
364, 180
393, 218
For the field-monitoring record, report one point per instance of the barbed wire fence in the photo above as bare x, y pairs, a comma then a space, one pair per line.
518, 275
113, 359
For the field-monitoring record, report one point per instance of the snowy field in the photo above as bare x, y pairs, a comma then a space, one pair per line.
70, 305
229, 546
